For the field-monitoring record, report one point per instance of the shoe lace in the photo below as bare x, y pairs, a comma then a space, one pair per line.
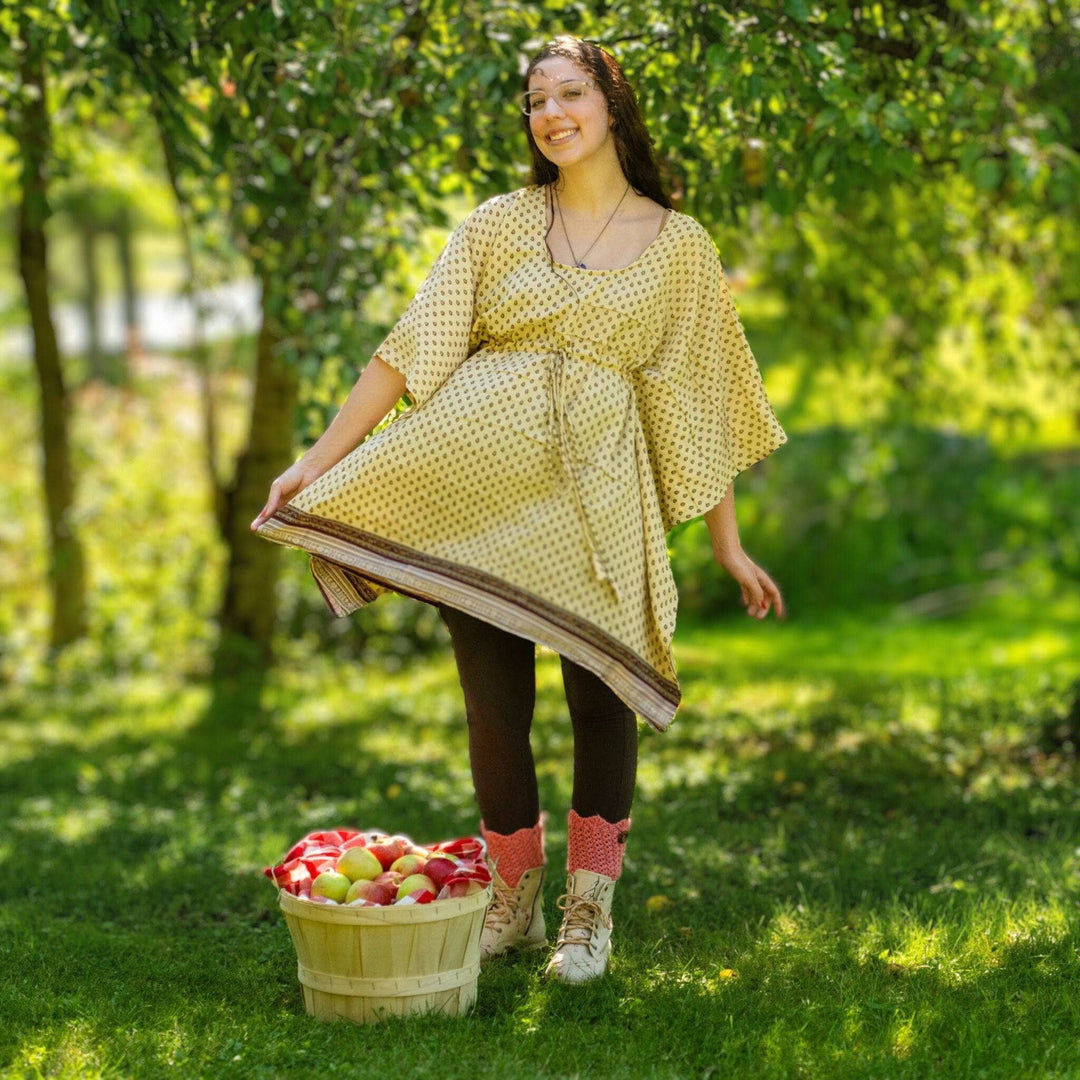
580, 919
503, 902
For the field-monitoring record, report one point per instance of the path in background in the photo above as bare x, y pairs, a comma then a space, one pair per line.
166, 321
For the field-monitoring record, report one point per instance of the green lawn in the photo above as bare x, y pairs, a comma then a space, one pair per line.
864, 834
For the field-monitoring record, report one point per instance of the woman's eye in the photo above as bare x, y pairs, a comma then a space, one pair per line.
571, 95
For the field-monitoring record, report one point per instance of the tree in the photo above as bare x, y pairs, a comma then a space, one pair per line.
27, 44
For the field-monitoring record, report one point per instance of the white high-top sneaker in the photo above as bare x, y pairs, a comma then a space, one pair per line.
515, 916
584, 942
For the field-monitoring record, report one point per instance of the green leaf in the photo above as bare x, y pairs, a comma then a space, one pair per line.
902, 162
820, 165
798, 10
895, 117
988, 174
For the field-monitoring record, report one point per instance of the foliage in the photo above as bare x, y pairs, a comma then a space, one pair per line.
904, 515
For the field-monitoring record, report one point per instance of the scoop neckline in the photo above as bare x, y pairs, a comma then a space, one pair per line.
542, 189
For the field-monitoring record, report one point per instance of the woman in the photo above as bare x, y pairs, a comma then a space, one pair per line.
580, 385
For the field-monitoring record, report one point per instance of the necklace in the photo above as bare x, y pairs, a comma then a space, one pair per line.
580, 263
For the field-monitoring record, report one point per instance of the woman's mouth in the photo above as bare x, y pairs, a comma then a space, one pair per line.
559, 137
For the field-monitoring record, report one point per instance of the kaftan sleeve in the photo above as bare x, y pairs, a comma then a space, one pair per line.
704, 410
434, 334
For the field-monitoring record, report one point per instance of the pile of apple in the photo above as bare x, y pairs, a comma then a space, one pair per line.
372, 869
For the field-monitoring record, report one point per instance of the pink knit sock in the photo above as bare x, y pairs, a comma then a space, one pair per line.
516, 852
596, 844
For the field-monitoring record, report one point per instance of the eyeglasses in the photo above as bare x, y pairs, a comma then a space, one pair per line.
567, 92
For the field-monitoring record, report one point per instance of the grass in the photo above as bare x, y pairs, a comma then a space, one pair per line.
868, 872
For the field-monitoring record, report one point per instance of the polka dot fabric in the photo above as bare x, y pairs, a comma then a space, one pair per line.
563, 420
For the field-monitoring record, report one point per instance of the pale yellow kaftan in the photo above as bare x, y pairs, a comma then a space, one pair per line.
563, 420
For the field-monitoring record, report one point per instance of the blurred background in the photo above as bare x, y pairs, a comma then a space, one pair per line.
213, 211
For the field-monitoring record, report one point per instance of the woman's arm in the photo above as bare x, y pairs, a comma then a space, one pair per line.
375, 393
759, 591
723, 528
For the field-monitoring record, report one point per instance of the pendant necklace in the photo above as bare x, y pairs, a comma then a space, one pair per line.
580, 263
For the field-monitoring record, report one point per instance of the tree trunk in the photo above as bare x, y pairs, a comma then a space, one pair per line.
67, 578
91, 299
249, 608
125, 254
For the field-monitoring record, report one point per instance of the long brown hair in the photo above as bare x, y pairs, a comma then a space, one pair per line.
632, 140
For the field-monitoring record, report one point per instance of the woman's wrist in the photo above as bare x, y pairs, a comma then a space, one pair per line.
723, 526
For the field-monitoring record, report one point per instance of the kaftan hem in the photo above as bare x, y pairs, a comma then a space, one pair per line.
346, 560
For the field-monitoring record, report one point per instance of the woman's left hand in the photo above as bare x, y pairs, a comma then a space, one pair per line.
759, 591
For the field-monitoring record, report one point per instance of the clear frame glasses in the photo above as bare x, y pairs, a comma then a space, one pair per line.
567, 92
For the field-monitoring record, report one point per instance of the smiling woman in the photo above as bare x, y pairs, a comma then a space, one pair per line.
580, 384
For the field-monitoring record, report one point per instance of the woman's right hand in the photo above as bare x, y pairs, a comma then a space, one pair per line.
291, 482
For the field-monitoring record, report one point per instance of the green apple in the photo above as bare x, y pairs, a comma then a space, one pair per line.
408, 864
416, 883
359, 864
331, 885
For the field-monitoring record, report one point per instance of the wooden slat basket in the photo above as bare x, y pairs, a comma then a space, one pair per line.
369, 963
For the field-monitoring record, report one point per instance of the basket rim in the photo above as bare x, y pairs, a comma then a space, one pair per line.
381, 916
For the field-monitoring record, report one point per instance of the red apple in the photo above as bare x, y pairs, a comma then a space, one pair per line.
439, 868
357, 863
390, 877
371, 891
387, 851
416, 883
408, 864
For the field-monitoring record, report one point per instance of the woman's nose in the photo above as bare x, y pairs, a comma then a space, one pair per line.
553, 100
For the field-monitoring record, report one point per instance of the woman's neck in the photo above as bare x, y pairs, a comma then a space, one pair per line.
590, 190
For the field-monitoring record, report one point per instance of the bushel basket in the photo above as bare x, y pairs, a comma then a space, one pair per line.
368, 963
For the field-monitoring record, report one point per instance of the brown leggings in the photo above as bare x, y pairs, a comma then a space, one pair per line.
497, 671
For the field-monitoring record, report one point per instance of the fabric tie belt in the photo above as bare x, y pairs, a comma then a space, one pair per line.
564, 438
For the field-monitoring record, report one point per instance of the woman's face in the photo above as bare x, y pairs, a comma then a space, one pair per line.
586, 120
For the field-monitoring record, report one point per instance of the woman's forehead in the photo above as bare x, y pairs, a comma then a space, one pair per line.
553, 70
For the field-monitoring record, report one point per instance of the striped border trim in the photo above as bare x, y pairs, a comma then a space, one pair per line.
343, 557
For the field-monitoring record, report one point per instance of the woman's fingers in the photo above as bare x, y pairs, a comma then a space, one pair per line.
753, 597
773, 591
770, 596
272, 503
760, 593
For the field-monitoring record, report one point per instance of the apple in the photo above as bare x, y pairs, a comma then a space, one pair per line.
374, 892
331, 885
390, 877
439, 868
408, 864
416, 883
459, 889
387, 851
358, 863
